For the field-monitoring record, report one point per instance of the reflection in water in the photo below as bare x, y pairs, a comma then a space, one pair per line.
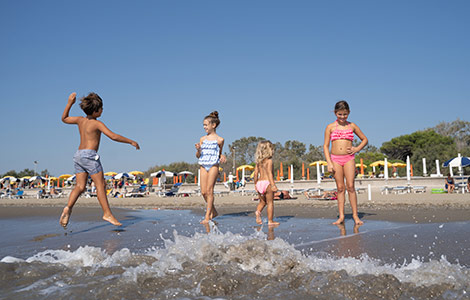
349, 246
270, 231
208, 226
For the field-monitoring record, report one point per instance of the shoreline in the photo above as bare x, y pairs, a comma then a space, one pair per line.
408, 208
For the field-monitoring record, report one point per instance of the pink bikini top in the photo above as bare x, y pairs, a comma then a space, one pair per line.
342, 134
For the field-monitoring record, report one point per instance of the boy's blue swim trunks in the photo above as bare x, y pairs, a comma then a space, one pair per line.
88, 161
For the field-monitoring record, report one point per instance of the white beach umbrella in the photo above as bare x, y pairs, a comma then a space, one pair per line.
34, 178
243, 176
425, 172
292, 174
163, 173
438, 169
9, 179
459, 161
185, 173
318, 175
125, 175
385, 169
408, 169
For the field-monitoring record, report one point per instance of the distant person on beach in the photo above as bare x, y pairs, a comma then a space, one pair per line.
209, 153
468, 184
86, 159
264, 181
327, 195
450, 184
341, 158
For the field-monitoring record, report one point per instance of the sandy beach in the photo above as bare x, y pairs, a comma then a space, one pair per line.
411, 208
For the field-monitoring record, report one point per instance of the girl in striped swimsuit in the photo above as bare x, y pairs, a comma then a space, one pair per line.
209, 152
341, 158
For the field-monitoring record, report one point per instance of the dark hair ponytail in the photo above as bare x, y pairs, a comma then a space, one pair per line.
213, 117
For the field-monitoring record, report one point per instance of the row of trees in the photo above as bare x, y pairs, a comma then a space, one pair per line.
25, 172
441, 142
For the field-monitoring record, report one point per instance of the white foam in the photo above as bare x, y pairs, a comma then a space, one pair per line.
254, 254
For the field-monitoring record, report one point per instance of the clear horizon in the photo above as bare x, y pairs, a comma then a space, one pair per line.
271, 68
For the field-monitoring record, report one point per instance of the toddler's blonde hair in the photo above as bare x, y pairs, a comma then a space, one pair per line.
264, 150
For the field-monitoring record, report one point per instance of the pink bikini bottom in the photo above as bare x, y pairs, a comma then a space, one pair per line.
261, 186
341, 159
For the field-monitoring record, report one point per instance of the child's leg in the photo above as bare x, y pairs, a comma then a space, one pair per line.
270, 204
100, 184
260, 207
339, 178
349, 173
79, 188
207, 189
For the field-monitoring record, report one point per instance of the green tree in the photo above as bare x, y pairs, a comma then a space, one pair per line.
459, 131
427, 144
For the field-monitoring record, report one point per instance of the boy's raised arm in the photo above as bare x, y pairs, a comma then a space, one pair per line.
65, 115
116, 137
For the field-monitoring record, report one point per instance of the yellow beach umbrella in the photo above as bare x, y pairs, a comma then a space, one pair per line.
136, 173
52, 178
65, 176
359, 165
320, 162
399, 165
25, 177
246, 167
110, 174
380, 163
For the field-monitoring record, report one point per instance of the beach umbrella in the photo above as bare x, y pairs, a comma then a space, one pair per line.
408, 169
65, 176
359, 165
9, 178
136, 173
438, 170
185, 173
124, 175
380, 163
34, 178
163, 173
71, 178
318, 162
246, 167
399, 165
386, 164
318, 174
111, 174
459, 161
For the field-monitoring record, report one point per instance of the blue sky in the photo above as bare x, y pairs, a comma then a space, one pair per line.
271, 68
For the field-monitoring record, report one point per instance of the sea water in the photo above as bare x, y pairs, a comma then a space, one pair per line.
167, 254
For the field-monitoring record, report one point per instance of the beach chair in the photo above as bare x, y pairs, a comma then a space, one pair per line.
386, 190
19, 195
360, 190
134, 193
400, 190
418, 189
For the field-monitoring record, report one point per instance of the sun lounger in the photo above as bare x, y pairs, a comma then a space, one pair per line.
386, 190
360, 190
418, 189
400, 190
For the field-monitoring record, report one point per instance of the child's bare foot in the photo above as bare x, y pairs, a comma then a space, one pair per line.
272, 223
357, 220
339, 221
258, 217
111, 219
205, 221
64, 218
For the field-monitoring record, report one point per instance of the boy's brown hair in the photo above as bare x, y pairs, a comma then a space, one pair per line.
91, 103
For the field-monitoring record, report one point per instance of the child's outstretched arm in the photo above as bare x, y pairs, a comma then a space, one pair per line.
65, 116
116, 137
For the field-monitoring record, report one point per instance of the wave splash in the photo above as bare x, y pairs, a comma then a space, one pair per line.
224, 265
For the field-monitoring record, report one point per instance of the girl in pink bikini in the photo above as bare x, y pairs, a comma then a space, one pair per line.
341, 159
264, 181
